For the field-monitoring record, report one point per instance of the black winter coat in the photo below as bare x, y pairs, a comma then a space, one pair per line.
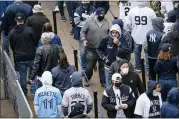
22, 42
115, 67
133, 80
173, 38
109, 101
36, 22
46, 58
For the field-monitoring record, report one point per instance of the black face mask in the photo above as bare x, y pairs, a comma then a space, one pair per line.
85, 5
100, 18
118, 84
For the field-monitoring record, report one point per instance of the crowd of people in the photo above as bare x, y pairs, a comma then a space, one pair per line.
58, 87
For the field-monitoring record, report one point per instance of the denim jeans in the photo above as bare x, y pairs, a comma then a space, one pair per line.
152, 74
23, 69
146, 63
92, 58
167, 84
69, 9
5, 44
137, 55
34, 86
106, 72
83, 53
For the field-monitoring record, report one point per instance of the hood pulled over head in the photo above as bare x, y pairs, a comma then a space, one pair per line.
117, 28
173, 96
76, 79
158, 23
46, 78
151, 86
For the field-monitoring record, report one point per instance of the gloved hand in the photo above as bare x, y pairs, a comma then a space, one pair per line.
106, 60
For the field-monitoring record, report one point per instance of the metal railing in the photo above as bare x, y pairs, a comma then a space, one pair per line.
12, 88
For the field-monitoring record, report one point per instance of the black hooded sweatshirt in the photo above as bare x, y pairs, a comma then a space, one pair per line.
22, 42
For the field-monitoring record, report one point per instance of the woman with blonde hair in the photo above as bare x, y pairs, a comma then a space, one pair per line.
166, 68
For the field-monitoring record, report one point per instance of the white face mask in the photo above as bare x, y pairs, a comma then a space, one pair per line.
125, 71
156, 93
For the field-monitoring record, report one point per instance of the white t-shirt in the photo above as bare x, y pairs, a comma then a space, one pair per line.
140, 21
76, 95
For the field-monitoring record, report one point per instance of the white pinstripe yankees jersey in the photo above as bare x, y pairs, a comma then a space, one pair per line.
76, 95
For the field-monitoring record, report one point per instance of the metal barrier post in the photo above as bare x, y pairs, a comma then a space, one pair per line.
95, 104
143, 73
54, 22
76, 58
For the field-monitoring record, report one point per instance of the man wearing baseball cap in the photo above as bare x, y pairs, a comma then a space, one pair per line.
118, 99
22, 42
92, 32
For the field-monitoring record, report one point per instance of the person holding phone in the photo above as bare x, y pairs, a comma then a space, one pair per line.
118, 99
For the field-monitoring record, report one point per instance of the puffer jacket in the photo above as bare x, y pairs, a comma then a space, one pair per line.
46, 58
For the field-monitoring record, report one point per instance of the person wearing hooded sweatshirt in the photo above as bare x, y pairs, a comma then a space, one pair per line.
61, 74
124, 33
109, 45
131, 78
170, 108
120, 55
166, 68
76, 94
149, 104
47, 99
152, 44
22, 42
118, 99
36, 21
9, 22
140, 22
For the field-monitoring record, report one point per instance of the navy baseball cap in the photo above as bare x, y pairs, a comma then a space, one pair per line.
100, 10
20, 16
